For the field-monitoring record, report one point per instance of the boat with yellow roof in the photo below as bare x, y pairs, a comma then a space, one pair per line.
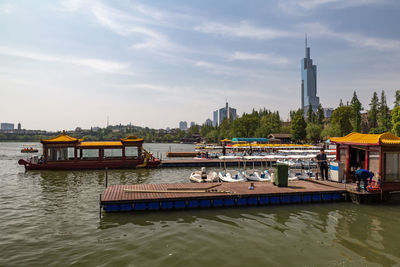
65, 152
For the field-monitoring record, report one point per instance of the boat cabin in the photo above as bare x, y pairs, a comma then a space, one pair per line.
67, 148
379, 153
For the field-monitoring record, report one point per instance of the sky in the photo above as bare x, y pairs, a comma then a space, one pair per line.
67, 64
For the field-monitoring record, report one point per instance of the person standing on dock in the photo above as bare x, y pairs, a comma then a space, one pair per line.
363, 175
323, 164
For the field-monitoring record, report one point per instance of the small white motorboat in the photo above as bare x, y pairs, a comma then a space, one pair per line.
257, 176
203, 177
231, 176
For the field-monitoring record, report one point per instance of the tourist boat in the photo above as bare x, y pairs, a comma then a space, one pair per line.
197, 176
231, 176
29, 150
68, 153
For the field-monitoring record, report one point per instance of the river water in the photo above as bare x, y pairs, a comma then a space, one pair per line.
51, 218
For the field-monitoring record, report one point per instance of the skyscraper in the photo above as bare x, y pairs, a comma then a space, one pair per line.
308, 83
215, 118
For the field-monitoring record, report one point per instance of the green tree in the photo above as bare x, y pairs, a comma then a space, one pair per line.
310, 115
373, 111
225, 129
298, 128
245, 126
269, 123
313, 132
384, 115
356, 108
342, 117
331, 130
320, 115
397, 99
396, 120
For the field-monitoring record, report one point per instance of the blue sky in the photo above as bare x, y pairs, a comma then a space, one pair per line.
154, 63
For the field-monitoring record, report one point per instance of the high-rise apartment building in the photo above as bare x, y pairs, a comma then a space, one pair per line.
7, 126
308, 83
215, 118
224, 113
183, 125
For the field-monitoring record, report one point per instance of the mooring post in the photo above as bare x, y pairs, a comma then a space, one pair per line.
100, 207
106, 177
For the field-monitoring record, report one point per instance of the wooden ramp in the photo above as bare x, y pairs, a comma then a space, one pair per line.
141, 197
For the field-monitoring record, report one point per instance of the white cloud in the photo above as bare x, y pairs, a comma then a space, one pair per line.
99, 65
244, 29
266, 58
291, 6
6, 8
359, 40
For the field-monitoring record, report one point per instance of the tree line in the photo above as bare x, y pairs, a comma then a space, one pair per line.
306, 126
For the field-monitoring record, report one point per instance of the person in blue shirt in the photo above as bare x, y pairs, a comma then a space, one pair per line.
363, 174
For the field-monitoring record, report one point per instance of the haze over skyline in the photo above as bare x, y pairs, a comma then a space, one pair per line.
73, 63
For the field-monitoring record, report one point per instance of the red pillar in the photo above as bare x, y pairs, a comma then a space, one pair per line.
348, 163
367, 158
380, 163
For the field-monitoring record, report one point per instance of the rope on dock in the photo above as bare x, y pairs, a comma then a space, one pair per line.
191, 188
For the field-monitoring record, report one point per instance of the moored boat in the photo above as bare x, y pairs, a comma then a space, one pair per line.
68, 153
257, 176
29, 150
203, 177
231, 176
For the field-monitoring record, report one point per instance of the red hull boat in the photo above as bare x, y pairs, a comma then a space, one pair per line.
68, 153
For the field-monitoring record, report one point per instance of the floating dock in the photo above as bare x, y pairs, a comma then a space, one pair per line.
146, 197
215, 162
182, 154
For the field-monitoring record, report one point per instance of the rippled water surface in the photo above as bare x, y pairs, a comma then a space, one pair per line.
51, 218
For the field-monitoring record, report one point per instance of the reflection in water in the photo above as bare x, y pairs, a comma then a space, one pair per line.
52, 218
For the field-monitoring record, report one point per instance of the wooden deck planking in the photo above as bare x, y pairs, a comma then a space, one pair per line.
116, 193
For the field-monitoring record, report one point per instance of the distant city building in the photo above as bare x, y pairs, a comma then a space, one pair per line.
19, 126
232, 113
328, 112
183, 125
215, 118
308, 83
7, 126
224, 113
192, 124
209, 122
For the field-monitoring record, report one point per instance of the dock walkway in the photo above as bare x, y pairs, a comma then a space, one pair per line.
214, 162
140, 197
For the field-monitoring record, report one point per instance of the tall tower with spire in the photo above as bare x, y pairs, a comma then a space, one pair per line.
308, 82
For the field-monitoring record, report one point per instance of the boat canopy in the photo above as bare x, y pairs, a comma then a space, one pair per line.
367, 139
100, 144
249, 140
62, 138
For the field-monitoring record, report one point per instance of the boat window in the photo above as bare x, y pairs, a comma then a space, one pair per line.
131, 151
392, 167
71, 153
57, 153
90, 153
112, 152
343, 159
373, 165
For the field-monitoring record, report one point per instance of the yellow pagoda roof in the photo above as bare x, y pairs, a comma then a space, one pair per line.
62, 138
226, 140
131, 138
376, 139
102, 144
